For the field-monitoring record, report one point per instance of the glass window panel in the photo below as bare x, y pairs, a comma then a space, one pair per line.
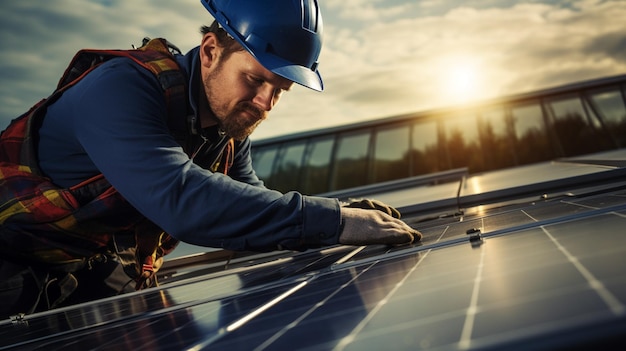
462, 142
528, 119
424, 136
611, 105
568, 109
495, 130
317, 166
391, 154
262, 162
495, 120
612, 109
531, 135
425, 151
577, 132
351, 161
287, 172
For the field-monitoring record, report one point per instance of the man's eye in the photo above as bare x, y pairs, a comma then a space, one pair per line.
256, 81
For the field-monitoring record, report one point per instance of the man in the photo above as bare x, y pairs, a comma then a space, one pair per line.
117, 168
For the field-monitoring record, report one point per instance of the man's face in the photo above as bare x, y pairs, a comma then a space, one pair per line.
241, 92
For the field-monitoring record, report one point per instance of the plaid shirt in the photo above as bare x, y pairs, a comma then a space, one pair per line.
41, 222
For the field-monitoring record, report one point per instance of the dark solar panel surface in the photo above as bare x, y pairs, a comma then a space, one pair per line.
548, 274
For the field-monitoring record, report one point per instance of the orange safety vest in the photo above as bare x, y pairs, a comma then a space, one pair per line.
67, 228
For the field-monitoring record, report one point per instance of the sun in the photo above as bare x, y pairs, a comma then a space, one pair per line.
461, 79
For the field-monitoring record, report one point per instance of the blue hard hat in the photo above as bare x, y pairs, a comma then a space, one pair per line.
285, 36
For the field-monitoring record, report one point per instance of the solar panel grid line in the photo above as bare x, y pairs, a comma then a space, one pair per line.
98, 338
557, 221
496, 232
582, 205
165, 311
466, 333
276, 258
527, 331
529, 216
350, 337
147, 314
612, 302
535, 296
427, 297
274, 337
584, 285
408, 327
305, 261
623, 215
555, 291
443, 233
349, 255
223, 332
115, 329
394, 254
533, 337
264, 307
77, 329
325, 287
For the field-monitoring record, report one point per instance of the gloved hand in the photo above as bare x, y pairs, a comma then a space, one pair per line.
370, 204
364, 227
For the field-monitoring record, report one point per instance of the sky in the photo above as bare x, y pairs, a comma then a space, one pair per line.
380, 58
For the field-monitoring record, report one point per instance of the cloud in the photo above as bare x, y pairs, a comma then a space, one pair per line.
611, 46
399, 66
39, 38
380, 58
367, 11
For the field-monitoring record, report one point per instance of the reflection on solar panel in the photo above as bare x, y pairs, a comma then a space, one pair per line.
533, 263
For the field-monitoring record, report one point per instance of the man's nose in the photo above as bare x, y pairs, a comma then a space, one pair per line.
265, 97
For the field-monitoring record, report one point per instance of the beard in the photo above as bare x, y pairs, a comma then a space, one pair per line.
234, 121
237, 125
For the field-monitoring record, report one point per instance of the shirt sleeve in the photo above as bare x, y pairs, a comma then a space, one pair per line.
242, 169
117, 116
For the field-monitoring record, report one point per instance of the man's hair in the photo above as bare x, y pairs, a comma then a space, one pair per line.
229, 44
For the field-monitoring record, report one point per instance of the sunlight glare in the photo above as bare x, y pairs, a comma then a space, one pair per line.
461, 80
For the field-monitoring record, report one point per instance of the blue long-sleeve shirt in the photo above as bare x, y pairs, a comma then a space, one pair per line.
114, 122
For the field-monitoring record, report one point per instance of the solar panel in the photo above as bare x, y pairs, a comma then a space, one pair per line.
534, 272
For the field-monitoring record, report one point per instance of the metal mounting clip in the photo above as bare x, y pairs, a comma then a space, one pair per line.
19, 320
475, 237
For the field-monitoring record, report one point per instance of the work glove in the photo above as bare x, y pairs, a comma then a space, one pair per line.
364, 227
369, 204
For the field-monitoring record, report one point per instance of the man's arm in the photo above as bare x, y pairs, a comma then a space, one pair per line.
114, 122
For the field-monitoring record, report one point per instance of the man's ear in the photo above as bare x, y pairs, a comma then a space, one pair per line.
209, 50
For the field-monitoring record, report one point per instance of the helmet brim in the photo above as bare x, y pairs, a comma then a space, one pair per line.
295, 73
